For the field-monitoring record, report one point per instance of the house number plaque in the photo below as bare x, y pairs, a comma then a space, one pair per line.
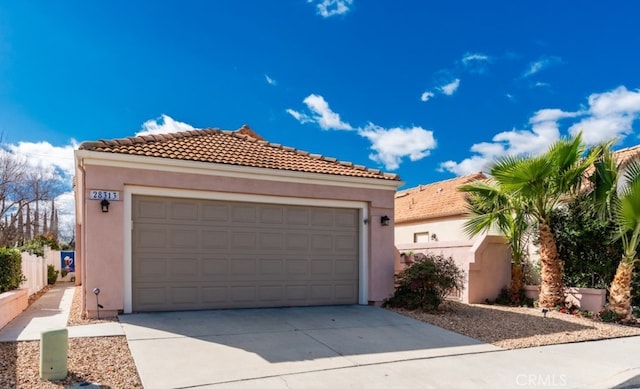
111, 195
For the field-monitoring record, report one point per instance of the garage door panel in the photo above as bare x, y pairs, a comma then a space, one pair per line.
270, 241
271, 293
215, 239
184, 211
215, 212
347, 218
184, 295
347, 243
322, 217
151, 268
152, 296
243, 293
150, 209
244, 214
272, 215
197, 254
183, 239
184, 268
243, 240
297, 216
213, 268
151, 238
321, 242
214, 296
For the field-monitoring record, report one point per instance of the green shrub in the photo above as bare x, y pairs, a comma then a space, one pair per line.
426, 283
52, 275
36, 245
63, 273
10, 269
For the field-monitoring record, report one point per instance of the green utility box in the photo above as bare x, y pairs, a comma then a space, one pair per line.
54, 347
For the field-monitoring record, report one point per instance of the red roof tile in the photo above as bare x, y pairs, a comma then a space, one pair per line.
242, 148
434, 200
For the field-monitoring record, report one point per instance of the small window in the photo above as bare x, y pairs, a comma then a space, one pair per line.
420, 237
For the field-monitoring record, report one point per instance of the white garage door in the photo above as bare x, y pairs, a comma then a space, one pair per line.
201, 254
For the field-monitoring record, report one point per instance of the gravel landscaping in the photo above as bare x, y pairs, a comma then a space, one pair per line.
514, 327
104, 361
107, 360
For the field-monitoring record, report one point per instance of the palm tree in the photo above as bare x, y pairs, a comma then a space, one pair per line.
617, 196
490, 208
539, 184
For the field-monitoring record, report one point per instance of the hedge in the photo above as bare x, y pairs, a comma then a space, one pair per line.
10, 269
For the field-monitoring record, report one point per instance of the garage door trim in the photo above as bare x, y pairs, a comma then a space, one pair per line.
130, 191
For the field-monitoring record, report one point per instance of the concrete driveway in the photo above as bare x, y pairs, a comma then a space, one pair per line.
201, 348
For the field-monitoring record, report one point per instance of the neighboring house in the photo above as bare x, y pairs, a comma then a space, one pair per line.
434, 212
219, 219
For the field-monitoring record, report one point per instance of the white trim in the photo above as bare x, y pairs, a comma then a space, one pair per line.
223, 170
131, 190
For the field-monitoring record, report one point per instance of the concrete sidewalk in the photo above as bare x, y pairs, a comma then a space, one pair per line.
51, 311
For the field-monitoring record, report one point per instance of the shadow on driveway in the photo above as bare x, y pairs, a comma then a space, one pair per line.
174, 349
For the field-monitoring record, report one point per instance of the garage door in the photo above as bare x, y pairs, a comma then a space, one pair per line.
200, 254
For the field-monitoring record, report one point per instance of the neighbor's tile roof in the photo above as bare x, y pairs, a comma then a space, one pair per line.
624, 156
242, 147
434, 200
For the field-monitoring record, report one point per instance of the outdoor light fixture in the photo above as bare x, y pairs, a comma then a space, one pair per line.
544, 312
104, 205
384, 220
96, 291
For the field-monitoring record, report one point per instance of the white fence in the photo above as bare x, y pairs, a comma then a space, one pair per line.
34, 269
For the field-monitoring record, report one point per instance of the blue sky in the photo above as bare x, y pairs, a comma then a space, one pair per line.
427, 90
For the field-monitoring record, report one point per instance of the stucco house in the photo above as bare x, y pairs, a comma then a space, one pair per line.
212, 219
433, 212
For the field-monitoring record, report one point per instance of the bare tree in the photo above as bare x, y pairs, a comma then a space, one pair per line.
21, 186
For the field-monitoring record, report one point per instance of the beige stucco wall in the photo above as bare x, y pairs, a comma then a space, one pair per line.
445, 229
486, 263
101, 248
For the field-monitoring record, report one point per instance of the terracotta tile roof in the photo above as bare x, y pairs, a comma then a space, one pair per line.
434, 200
624, 156
242, 148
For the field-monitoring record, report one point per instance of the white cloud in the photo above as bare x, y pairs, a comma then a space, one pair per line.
450, 88
321, 114
299, 116
46, 156
472, 57
608, 115
163, 125
541, 64
475, 62
327, 8
611, 115
426, 96
270, 80
65, 204
391, 145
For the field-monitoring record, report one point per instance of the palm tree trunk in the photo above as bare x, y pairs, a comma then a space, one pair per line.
620, 291
517, 278
551, 288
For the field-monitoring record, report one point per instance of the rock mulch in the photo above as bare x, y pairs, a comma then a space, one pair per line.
515, 327
104, 361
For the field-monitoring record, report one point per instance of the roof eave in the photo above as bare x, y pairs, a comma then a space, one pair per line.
101, 158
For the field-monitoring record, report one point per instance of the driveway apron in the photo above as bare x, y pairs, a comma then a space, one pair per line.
197, 348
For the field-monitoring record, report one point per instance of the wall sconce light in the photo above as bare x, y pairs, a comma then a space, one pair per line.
104, 205
384, 220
